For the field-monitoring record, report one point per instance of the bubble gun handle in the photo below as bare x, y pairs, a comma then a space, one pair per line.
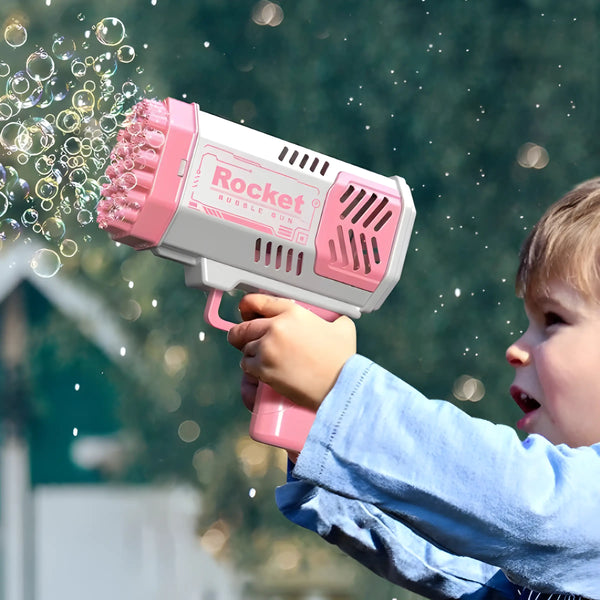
275, 420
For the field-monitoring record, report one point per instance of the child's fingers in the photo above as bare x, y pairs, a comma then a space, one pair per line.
248, 331
262, 305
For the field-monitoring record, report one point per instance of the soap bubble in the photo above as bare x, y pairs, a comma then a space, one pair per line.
10, 230
25, 91
83, 101
68, 120
78, 68
9, 134
110, 31
46, 188
126, 54
40, 65
45, 263
62, 150
36, 136
54, 229
15, 35
29, 217
63, 48
105, 65
68, 247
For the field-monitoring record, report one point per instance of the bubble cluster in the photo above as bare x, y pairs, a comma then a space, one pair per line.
62, 103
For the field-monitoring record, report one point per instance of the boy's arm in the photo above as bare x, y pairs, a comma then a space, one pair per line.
471, 487
389, 547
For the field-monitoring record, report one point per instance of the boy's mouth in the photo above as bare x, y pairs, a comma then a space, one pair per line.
525, 402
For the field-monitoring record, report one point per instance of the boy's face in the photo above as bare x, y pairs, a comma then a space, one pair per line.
557, 364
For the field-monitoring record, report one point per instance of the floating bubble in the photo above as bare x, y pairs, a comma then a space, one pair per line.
10, 134
29, 217
17, 190
110, 31
126, 54
63, 48
46, 188
68, 120
4, 69
78, 176
36, 136
54, 229
105, 65
9, 107
129, 89
40, 65
25, 91
85, 217
83, 100
4, 204
56, 88
45, 263
78, 68
72, 145
68, 247
10, 230
43, 164
108, 123
15, 35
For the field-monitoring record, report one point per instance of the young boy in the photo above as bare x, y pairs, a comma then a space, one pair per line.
443, 504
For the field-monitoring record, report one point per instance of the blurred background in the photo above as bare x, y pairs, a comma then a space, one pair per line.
126, 470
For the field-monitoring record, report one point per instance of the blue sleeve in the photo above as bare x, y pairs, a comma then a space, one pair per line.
466, 486
389, 547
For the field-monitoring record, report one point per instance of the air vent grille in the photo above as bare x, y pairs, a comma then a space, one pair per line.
357, 230
278, 257
303, 160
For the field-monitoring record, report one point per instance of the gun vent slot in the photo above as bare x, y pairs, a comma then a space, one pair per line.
283, 153
347, 194
304, 161
376, 254
277, 257
364, 208
365, 253
375, 212
353, 204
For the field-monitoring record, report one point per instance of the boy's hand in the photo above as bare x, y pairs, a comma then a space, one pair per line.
289, 348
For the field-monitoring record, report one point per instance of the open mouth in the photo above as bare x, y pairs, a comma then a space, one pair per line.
526, 403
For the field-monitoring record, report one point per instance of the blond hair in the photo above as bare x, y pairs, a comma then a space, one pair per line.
564, 245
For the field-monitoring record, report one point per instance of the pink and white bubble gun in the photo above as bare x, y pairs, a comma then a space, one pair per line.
241, 209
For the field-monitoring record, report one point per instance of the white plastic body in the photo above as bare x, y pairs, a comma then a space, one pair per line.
221, 254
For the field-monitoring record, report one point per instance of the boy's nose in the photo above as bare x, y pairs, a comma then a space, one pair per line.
517, 354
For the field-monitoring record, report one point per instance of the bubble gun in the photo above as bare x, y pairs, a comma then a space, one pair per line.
242, 209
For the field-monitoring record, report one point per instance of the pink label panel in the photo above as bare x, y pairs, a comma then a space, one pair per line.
237, 189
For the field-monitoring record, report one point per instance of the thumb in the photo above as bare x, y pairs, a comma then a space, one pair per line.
263, 305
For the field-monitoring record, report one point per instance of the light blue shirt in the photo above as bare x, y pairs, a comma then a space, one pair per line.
441, 503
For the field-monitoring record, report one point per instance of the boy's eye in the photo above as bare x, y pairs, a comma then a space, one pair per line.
552, 318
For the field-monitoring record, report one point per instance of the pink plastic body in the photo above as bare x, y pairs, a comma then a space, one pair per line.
275, 420
145, 172
357, 231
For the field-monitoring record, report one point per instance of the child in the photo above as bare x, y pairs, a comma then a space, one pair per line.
443, 504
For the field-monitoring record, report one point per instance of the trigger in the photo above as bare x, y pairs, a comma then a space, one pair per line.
211, 311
